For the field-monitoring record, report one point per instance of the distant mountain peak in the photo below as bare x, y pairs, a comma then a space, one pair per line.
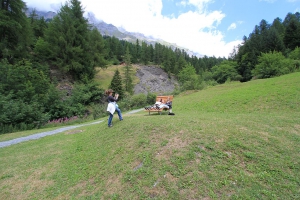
118, 32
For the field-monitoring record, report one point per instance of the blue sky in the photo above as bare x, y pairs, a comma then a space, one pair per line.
208, 27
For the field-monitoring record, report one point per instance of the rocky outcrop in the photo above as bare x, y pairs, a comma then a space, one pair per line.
155, 80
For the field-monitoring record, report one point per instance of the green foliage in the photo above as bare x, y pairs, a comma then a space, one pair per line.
292, 32
128, 85
145, 57
24, 94
139, 100
272, 64
28, 100
20, 114
68, 34
37, 24
97, 49
280, 37
130, 102
116, 84
42, 50
86, 94
188, 78
295, 54
82, 96
23, 81
15, 32
225, 71
151, 98
98, 110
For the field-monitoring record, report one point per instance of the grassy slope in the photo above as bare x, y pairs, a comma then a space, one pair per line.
232, 141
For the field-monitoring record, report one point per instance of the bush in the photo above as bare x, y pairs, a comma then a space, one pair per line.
139, 100
226, 71
99, 110
87, 93
151, 98
272, 64
135, 101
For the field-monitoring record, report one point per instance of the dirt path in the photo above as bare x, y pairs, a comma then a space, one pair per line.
43, 134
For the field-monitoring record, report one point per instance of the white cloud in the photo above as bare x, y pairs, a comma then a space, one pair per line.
232, 26
196, 30
51, 5
199, 4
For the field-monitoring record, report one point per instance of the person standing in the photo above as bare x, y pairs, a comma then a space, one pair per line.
112, 106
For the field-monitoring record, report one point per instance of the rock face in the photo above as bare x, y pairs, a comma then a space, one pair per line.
155, 80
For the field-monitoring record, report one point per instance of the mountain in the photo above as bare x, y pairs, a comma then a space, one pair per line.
120, 33
47, 15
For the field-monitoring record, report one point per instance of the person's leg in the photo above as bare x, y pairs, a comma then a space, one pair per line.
110, 119
119, 113
170, 108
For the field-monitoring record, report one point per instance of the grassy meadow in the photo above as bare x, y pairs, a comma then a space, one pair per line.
231, 141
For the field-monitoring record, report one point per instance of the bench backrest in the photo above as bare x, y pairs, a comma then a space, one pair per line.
164, 99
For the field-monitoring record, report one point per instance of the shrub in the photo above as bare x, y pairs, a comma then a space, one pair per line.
151, 98
272, 64
226, 71
99, 110
139, 100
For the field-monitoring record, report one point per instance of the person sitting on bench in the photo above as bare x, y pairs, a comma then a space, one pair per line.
162, 104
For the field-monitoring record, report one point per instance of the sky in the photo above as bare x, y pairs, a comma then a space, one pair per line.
207, 27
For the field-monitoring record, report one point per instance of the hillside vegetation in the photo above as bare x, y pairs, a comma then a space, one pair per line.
53, 69
231, 141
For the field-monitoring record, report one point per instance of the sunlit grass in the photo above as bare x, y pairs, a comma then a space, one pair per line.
232, 141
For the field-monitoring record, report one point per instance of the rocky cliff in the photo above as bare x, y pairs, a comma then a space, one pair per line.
155, 80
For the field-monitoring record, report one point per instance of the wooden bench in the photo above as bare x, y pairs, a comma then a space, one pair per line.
162, 99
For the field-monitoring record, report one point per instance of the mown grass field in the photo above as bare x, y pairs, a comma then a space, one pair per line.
231, 141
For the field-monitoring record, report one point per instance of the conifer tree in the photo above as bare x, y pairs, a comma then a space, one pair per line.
68, 36
144, 53
138, 51
97, 49
39, 27
128, 70
116, 84
15, 33
292, 33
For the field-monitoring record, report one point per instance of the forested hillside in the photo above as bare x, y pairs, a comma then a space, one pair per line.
31, 47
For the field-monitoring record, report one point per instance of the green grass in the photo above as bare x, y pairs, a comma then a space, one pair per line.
231, 141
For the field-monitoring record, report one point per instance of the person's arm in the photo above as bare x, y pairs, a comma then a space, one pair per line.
111, 99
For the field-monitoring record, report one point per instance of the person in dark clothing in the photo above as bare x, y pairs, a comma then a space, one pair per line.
112, 106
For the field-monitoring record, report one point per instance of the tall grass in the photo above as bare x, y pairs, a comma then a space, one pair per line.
232, 141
